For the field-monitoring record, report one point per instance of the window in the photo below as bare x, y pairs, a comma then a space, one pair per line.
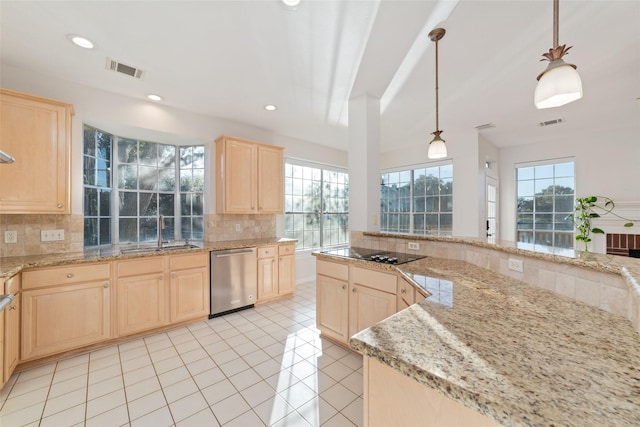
316, 206
545, 197
417, 201
124, 207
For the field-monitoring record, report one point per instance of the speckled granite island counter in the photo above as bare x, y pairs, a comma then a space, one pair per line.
516, 354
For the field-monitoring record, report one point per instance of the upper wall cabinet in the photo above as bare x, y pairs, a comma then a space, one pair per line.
37, 133
249, 177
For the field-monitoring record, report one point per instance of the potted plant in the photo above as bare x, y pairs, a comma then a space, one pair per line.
588, 208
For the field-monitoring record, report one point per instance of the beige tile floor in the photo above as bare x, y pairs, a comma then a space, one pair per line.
263, 366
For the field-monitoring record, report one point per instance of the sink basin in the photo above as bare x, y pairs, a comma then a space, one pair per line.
150, 249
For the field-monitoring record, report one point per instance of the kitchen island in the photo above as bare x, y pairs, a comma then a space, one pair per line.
515, 354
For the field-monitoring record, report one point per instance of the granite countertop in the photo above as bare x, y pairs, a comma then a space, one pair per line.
518, 354
9, 266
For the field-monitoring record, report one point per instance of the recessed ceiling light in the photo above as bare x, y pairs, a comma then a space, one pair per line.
291, 3
80, 41
154, 97
270, 107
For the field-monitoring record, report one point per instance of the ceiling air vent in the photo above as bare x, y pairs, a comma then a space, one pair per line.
552, 122
485, 126
119, 67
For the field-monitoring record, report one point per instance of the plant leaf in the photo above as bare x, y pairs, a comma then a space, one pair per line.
629, 224
597, 231
594, 215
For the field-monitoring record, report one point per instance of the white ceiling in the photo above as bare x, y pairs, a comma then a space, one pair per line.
230, 58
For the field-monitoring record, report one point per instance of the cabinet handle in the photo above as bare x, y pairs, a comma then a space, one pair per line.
106, 285
59, 205
403, 291
69, 275
13, 307
344, 286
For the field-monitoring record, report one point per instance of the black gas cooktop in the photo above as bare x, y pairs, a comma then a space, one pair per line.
385, 257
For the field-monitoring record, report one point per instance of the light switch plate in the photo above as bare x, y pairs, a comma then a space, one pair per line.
11, 236
414, 246
51, 235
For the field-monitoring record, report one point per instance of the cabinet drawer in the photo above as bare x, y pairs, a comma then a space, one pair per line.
374, 279
286, 249
65, 275
136, 267
333, 269
182, 262
267, 251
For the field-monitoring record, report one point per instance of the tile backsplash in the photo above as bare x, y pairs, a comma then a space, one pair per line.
28, 228
219, 227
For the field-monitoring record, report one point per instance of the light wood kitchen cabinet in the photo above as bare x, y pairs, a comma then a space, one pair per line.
332, 300
64, 308
267, 273
406, 294
140, 295
286, 269
276, 271
11, 345
189, 283
372, 298
249, 177
37, 133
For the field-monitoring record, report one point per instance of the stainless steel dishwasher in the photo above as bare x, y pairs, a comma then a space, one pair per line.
234, 280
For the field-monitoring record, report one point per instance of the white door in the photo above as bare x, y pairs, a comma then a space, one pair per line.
492, 209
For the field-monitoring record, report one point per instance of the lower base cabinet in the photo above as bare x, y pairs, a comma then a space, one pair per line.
332, 307
276, 271
63, 318
189, 287
140, 303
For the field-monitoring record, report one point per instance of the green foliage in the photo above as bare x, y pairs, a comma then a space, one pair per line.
586, 209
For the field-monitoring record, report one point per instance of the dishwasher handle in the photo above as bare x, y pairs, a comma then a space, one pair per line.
5, 300
224, 254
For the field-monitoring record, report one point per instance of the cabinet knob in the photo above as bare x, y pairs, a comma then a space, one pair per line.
174, 275
106, 285
354, 290
13, 307
160, 278
69, 275
60, 205
344, 286
403, 291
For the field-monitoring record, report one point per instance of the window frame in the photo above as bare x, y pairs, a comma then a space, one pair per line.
324, 168
173, 232
411, 212
568, 234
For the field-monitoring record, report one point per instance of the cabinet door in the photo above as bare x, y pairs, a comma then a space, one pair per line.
37, 132
406, 295
286, 274
11, 336
140, 303
63, 318
332, 308
189, 294
270, 180
237, 171
267, 278
368, 306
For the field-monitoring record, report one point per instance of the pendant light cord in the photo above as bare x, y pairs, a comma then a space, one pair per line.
556, 18
437, 125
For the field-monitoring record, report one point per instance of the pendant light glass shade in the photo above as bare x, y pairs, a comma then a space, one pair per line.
560, 84
437, 147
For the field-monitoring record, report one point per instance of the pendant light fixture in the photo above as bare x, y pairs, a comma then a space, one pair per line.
437, 147
560, 83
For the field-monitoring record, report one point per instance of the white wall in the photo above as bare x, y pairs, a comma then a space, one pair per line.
607, 164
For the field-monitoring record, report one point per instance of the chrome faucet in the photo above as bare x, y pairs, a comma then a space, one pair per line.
161, 227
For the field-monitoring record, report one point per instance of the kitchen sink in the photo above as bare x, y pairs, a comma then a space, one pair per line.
166, 248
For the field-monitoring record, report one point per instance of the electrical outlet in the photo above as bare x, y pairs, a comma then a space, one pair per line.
516, 265
414, 246
238, 228
51, 235
11, 236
